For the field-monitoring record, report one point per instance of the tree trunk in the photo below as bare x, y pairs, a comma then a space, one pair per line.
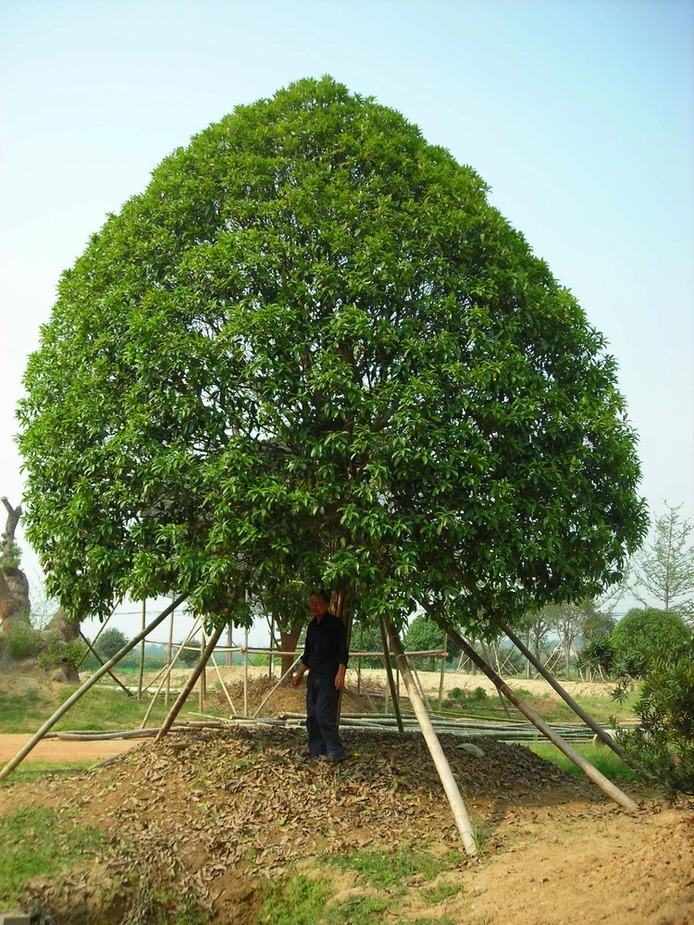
288, 641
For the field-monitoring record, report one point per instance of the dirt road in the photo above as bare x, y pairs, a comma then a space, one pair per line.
59, 752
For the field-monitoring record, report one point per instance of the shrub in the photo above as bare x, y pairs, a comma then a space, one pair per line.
664, 742
22, 640
639, 636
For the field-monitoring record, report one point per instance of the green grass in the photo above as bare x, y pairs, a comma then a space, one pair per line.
294, 901
99, 709
38, 841
439, 892
301, 900
549, 706
601, 757
382, 870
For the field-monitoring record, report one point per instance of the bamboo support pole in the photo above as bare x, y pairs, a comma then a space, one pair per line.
389, 675
190, 684
460, 813
420, 688
141, 670
443, 669
168, 670
224, 687
245, 673
203, 673
169, 655
100, 631
90, 682
588, 769
101, 662
576, 707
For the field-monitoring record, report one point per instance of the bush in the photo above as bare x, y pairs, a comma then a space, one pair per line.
664, 742
110, 642
479, 695
641, 634
22, 640
57, 652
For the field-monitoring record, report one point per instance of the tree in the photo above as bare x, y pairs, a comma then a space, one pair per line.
312, 352
641, 634
596, 650
425, 635
567, 621
665, 568
110, 642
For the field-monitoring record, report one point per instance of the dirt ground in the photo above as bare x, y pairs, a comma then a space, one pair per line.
215, 815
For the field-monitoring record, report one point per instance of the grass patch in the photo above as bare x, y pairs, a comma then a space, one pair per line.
601, 757
39, 841
100, 709
294, 901
383, 870
440, 892
359, 910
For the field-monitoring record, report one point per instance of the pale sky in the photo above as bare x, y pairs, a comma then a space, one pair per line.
578, 113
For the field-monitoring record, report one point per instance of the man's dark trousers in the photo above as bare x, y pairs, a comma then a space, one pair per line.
322, 701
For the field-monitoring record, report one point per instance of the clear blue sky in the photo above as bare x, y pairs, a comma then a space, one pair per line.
578, 113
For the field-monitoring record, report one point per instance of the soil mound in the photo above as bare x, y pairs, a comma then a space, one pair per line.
209, 819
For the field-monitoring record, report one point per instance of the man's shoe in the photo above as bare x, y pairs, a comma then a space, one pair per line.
331, 759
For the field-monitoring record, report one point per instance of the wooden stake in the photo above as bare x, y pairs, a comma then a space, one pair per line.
90, 682
190, 683
460, 813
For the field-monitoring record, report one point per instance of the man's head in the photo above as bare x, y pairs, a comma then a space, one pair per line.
318, 604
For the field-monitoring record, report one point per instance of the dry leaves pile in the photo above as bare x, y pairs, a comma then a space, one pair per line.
204, 816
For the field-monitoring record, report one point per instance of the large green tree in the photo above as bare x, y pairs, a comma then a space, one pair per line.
312, 351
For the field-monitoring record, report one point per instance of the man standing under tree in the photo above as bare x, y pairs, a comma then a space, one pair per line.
325, 656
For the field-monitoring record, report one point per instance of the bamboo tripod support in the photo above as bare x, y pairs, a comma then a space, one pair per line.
90, 682
588, 769
458, 808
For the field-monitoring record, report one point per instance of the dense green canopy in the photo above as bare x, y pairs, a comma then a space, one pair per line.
311, 351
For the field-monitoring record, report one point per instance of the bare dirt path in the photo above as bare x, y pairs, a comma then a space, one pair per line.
60, 752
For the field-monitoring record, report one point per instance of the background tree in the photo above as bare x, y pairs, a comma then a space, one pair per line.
536, 628
567, 621
110, 642
312, 347
596, 653
423, 635
664, 569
